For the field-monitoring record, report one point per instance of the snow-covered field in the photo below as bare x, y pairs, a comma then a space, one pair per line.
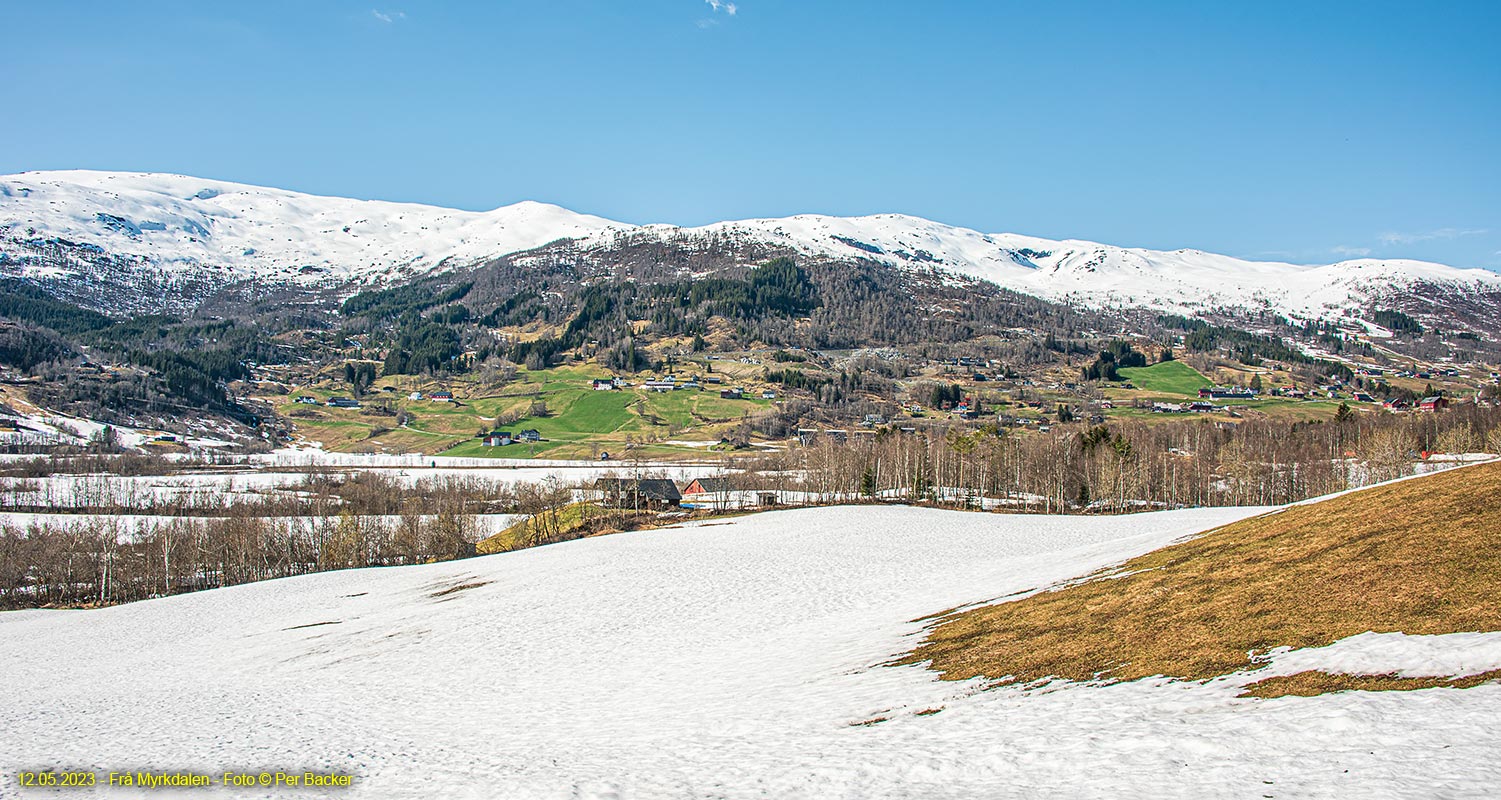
725, 659
133, 526
271, 474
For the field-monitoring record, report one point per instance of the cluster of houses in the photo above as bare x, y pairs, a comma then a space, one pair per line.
1423, 376
504, 438
673, 384
1227, 393
969, 362
1377, 372
1434, 403
669, 384
968, 408
1040, 424
1195, 407
662, 493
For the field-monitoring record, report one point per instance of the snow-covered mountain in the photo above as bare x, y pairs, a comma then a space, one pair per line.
185, 224
1094, 275
193, 235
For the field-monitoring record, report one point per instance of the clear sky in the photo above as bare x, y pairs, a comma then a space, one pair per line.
1304, 131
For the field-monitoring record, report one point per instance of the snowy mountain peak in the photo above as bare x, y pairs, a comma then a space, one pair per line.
187, 229
261, 233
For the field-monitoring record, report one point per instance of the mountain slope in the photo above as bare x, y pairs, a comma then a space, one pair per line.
185, 226
169, 236
1096, 275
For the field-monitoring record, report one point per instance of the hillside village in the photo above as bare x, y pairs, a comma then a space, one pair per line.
710, 402
707, 403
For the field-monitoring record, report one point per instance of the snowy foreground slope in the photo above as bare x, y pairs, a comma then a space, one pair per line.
190, 232
729, 659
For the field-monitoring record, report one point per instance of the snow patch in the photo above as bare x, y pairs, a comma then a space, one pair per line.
1407, 655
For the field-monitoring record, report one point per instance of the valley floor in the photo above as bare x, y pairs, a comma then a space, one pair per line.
727, 659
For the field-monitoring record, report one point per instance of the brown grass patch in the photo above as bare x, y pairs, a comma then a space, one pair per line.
1314, 682
1422, 556
573, 521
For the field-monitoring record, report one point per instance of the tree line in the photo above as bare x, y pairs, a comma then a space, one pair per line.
132, 544
1124, 466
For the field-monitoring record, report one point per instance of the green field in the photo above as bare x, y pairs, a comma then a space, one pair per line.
1280, 408
1174, 381
1169, 377
579, 421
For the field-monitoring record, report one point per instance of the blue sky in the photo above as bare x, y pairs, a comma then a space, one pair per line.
1301, 131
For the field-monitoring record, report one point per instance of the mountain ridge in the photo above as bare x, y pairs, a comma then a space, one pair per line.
61, 225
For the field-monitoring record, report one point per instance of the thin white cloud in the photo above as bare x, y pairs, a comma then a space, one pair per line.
1428, 236
722, 5
1347, 250
387, 17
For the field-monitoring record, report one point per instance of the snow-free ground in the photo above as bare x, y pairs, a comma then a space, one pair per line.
726, 659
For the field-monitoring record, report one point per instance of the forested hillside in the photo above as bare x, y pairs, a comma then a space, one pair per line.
837, 340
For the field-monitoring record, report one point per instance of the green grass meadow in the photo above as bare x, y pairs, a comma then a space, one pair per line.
1169, 377
579, 421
